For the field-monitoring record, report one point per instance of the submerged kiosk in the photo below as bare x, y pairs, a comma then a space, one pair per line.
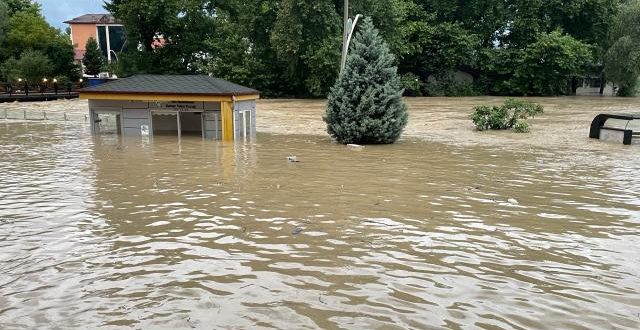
172, 104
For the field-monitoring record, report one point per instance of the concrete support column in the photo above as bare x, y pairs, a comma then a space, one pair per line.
227, 121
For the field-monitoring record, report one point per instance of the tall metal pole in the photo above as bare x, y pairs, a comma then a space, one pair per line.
346, 21
345, 35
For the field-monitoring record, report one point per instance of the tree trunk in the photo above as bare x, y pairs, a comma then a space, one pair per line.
574, 86
603, 83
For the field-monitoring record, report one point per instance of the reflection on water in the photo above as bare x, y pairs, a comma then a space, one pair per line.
101, 232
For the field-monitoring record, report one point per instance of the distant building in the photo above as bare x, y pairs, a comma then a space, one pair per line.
106, 29
591, 86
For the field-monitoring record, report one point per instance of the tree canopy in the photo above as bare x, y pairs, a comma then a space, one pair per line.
28, 41
292, 47
93, 60
623, 57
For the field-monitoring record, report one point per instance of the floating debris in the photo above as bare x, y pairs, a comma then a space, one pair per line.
513, 201
297, 231
293, 159
355, 146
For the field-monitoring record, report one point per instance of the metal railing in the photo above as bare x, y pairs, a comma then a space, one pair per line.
23, 89
43, 115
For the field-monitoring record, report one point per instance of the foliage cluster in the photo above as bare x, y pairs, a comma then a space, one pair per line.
623, 57
30, 48
447, 85
365, 104
292, 47
512, 114
93, 60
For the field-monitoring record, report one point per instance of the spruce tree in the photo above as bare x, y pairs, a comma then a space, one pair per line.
365, 104
93, 59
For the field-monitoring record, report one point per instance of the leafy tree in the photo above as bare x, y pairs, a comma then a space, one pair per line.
435, 48
365, 104
291, 47
60, 51
241, 49
4, 22
179, 24
390, 17
16, 6
623, 57
23, 29
546, 66
32, 66
28, 30
306, 40
93, 59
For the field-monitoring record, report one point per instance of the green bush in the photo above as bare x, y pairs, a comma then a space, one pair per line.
413, 85
513, 114
521, 126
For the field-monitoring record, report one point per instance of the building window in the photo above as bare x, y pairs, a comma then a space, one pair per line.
114, 43
117, 38
102, 40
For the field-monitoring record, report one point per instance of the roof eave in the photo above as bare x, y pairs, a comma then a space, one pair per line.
169, 93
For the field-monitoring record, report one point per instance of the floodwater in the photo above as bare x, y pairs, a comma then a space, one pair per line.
111, 233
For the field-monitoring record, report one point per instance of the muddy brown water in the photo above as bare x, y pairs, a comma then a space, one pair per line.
111, 233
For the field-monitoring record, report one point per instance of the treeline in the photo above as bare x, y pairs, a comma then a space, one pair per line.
292, 47
31, 49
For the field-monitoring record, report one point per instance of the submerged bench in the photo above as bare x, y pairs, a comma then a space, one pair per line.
600, 127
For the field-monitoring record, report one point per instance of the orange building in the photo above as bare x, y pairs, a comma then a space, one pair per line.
107, 31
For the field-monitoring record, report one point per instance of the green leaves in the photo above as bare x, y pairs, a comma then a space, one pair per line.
32, 66
622, 64
93, 59
547, 64
513, 114
365, 105
28, 30
181, 25
29, 46
292, 47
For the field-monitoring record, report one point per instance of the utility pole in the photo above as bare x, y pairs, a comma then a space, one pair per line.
349, 28
346, 22
345, 35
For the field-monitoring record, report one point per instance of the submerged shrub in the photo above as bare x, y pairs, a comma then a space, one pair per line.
513, 114
412, 85
521, 126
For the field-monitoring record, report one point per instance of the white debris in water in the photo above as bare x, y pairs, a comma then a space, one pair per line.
513, 201
293, 159
355, 146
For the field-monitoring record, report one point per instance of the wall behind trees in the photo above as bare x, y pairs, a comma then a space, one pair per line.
292, 47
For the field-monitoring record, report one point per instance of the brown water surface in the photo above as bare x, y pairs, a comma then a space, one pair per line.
100, 232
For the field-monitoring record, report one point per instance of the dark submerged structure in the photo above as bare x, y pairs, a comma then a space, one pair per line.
623, 127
